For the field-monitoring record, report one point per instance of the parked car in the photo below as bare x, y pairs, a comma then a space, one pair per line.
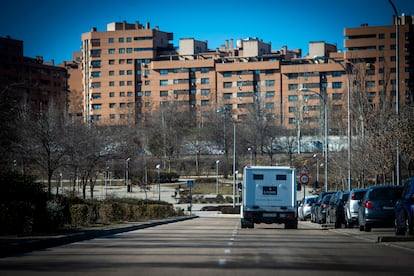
377, 207
335, 212
304, 209
315, 206
321, 210
352, 207
404, 209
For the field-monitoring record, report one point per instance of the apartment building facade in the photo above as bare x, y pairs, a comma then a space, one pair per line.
30, 81
130, 72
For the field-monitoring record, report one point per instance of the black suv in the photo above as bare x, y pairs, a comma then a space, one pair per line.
404, 209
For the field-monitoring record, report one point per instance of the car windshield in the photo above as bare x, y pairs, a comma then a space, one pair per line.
358, 195
312, 200
385, 193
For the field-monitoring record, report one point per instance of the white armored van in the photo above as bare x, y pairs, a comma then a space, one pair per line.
269, 196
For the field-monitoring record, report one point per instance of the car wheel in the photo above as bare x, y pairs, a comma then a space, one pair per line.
361, 228
338, 224
368, 228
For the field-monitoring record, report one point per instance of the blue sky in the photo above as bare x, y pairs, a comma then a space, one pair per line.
53, 29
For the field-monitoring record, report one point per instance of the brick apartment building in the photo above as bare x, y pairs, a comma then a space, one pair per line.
131, 71
30, 81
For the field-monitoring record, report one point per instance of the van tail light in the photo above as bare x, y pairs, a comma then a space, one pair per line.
369, 205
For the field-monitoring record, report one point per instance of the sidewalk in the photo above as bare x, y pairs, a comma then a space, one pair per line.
14, 245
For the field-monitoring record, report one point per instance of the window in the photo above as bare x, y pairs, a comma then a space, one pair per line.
370, 84
121, 94
110, 40
129, 61
227, 74
122, 105
111, 51
336, 74
112, 73
129, 83
111, 94
205, 92
292, 76
381, 36
227, 95
164, 72
205, 70
270, 94
121, 39
336, 85
227, 84
293, 87
112, 105
129, 50
121, 50
96, 74
96, 95
96, 64
129, 72
293, 98
163, 93
148, 93
96, 106
129, 93
336, 96
121, 72
121, 83
130, 105
111, 62
163, 82
205, 81
293, 109
270, 105
129, 39
96, 53
205, 102
270, 82
121, 61
96, 84
111, 116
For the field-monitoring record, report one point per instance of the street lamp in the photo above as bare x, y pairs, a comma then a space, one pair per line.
323, 98
251, 153
217, 181
159, 185
317, 167
234, 164
126, 173
397, 92
348, 116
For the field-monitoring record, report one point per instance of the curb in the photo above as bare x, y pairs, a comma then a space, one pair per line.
21, 246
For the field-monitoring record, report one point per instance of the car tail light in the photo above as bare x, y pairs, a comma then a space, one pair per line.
369, 205
290, 215
324, 206
353, 196
248, 214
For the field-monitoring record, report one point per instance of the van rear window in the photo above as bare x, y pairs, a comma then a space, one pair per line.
258, 177
281, 177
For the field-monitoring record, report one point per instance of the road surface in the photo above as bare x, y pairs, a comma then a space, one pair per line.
218, 246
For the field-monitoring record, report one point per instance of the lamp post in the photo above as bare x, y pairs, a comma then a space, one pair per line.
159, 184
397, 92
317, 167
217, 181
348, 116
234, 164
323, 98
251, 155
126, 173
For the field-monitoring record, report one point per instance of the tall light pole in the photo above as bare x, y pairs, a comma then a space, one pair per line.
397, 85
126, 173
217, 180
317, 167
323, 98
234, 164
159, 182
346, 69
251, 155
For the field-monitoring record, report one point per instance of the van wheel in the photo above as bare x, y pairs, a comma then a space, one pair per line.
361, 228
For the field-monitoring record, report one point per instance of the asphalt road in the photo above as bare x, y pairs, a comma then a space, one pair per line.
218, 246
